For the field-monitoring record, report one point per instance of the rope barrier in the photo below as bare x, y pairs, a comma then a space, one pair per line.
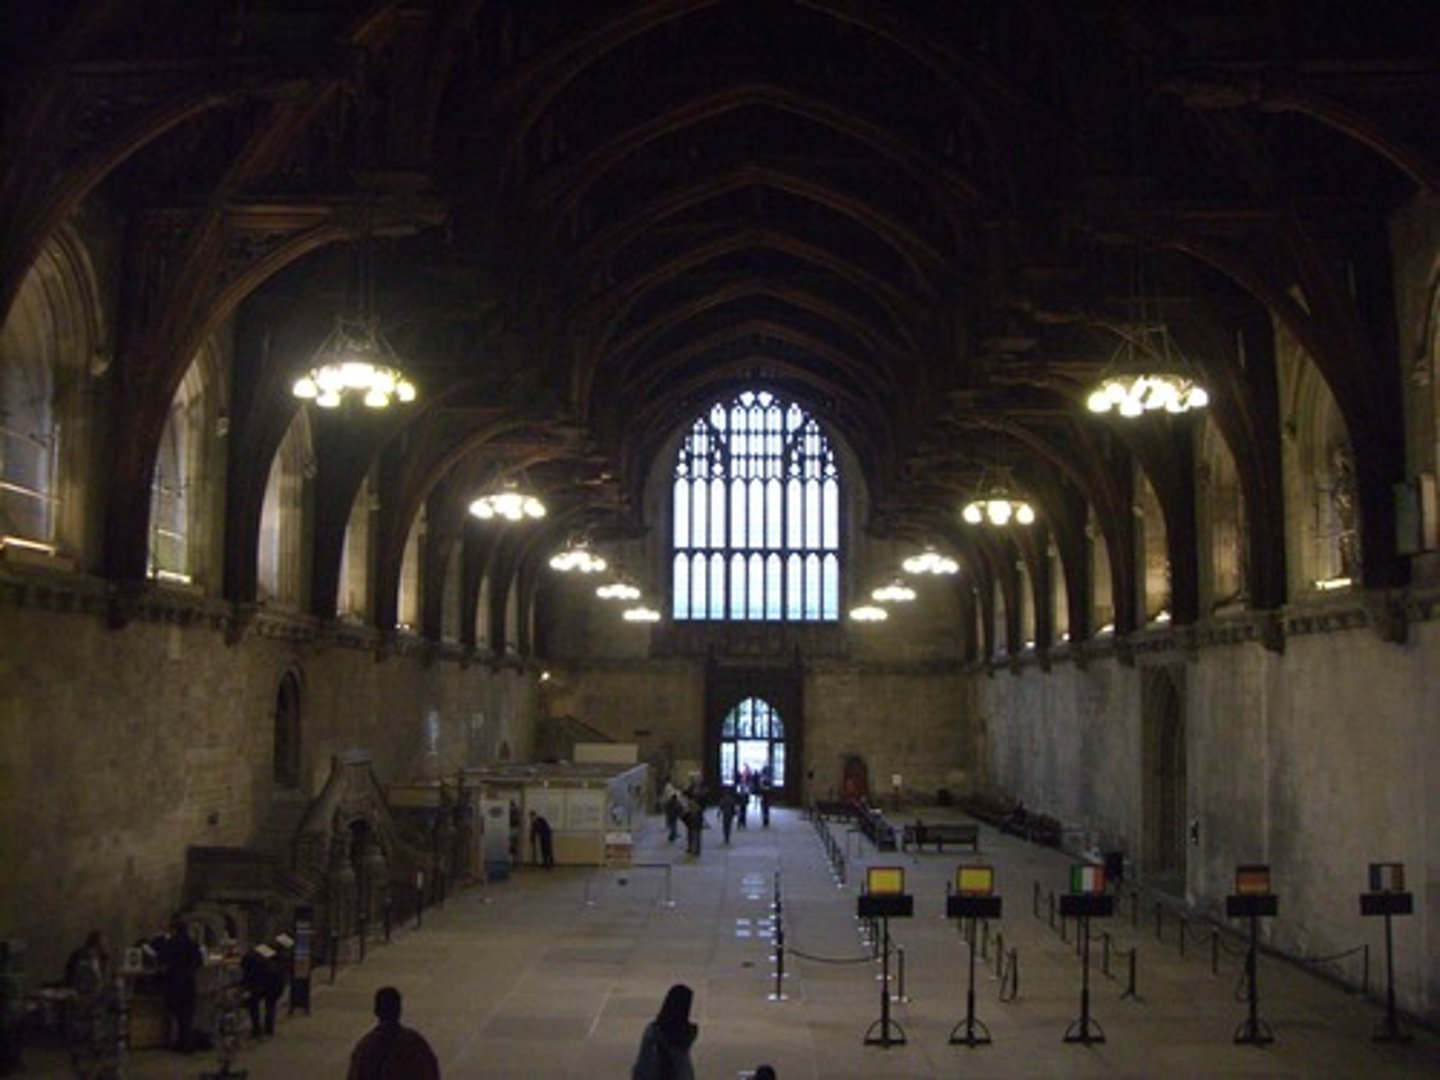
1009, 964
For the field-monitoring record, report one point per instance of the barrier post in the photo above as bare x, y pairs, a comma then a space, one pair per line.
334, 954
1184, 926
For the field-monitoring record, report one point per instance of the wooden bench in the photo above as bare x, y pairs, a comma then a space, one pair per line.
949, 832
831, 810
880, 831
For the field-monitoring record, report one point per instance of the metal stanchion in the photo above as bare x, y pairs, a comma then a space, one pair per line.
1214, 952
1184, 928
1130, 990
900, 974
334, 954
389, 914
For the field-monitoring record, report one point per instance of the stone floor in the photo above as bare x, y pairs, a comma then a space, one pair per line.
554, 974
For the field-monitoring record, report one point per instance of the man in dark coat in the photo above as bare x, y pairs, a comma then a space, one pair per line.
392, 1051
542, 840
180, 958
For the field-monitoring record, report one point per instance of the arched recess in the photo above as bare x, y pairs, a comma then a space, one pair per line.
282, 561
1154, 577
55, 341
187, 493
1222, 522
1102, 596
411, 587
287, 733
1321, 499
1163, 776
352, 602
781, 689
1059, 594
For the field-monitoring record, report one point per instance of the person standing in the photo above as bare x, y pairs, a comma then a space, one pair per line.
694, 818
672, 812
180, 958
542, 838
264, 981
742, 801
764, 804
392, 1051
665, 1045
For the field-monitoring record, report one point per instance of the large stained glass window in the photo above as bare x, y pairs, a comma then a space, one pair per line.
757, 515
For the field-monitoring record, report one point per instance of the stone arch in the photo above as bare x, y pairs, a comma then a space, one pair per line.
53, 344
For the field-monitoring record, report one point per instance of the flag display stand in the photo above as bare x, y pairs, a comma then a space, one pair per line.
1252, 900
1387, 898
973, 898
884, 899
1086, 900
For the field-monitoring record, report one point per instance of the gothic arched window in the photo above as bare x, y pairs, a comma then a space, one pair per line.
757, 515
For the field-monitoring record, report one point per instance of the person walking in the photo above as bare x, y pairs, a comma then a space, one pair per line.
665, 1045
694, 817
727, 812
542, 839
391, 1051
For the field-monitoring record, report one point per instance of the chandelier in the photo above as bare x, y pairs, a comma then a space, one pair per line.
508, 504
618, 590
1147, 374
355, 359
930, 561
577, 558
641, 613
897, 592
869, 613
996, 504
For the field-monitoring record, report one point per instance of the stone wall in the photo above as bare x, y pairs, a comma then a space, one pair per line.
121, 748
1317, 760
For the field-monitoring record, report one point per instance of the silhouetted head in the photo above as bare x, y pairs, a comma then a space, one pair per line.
765, 1072
387, 1005
674, 1018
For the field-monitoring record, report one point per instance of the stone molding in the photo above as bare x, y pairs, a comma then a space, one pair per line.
1389, 613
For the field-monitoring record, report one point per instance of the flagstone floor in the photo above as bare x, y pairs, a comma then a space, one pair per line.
554, 974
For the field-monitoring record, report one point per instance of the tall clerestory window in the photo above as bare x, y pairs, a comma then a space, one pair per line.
757, 515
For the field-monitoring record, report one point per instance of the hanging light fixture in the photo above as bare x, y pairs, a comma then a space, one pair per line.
1147, 373
869, 613
996, 503
578, 558
510, 503
930, 561
618, 590
641, 613
356, 359
896, 592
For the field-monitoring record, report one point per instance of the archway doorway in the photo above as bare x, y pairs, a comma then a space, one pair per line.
752, 744
1163, 789
855, 780
754, 718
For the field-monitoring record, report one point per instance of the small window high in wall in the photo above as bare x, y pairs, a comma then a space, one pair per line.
757, 515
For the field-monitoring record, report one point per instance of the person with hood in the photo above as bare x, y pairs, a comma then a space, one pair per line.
665, 1046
